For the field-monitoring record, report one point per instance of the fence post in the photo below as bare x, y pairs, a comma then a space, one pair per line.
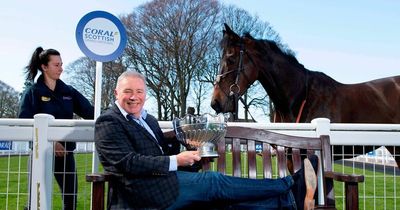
42, 163
322, 127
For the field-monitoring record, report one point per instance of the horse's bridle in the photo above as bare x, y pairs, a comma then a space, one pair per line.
234, 89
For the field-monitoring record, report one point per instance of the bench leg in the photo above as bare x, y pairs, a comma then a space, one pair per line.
98, 196
351, 195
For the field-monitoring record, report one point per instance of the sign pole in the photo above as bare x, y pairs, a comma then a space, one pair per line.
97, 91
97, 109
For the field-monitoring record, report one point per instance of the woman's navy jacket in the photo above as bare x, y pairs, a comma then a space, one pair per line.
61, 103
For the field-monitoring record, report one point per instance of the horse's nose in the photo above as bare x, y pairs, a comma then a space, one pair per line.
216, 106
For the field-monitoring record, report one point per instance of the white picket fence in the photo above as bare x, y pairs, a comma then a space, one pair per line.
44, 129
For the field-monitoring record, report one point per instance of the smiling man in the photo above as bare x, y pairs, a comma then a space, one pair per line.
131, 145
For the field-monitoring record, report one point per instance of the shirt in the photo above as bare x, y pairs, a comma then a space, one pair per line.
173, 163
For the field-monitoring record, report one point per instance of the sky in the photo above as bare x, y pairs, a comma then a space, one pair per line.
351, 41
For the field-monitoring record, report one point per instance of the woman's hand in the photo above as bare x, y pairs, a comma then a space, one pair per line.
59, 150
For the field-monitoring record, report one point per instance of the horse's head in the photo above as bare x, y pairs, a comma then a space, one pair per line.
237, 71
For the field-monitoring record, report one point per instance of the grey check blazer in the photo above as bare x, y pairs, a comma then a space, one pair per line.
127, 150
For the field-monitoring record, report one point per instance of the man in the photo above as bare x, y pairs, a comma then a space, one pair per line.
132, 146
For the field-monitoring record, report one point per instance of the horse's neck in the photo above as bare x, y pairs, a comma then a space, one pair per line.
296, 91
285, 85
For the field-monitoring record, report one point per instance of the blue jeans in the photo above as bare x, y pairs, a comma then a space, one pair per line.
215, 190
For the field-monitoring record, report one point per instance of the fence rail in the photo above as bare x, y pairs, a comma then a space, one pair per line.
44, 129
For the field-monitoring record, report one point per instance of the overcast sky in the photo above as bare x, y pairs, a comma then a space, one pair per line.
352, 41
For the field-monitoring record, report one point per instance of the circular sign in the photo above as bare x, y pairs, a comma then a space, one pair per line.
101, 36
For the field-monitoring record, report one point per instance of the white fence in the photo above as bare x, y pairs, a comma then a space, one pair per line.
44, 129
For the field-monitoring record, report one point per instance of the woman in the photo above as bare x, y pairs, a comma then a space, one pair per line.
52, 96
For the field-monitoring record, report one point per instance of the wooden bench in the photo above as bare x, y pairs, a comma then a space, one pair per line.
272, 152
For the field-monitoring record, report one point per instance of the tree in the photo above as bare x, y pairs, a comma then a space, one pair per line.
82, 74
9, 101
168, 41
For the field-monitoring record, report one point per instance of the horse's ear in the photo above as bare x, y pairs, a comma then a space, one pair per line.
227, 29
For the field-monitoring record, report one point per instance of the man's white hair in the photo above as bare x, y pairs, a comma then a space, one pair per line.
134, 74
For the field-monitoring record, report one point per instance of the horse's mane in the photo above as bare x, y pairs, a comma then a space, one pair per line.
262, 45
276, 47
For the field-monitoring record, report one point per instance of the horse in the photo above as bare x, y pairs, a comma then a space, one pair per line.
299, 94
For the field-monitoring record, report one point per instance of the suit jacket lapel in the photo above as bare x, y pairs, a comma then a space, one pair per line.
141, 128
154, 128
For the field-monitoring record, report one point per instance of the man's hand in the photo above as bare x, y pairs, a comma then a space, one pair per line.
59, 150
187, 158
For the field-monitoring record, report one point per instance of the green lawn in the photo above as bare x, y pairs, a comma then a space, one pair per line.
380, 190
385, 196
13, 185
13, 177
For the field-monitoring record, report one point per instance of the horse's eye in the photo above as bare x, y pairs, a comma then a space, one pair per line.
230, 61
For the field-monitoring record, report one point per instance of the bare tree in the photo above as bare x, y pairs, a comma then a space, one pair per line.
82, 74
242, 22
168, 42
9, 100
199, 94
255, 98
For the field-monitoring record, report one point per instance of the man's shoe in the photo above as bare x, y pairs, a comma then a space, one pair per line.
311, 184
299, 188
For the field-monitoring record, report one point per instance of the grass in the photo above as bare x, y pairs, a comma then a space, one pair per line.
14, 182
379, 189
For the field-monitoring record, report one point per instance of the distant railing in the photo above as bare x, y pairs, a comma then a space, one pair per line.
44, 129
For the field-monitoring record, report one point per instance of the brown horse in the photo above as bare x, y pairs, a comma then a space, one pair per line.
298, 94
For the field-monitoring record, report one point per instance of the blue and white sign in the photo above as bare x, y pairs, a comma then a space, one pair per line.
258, 148
5, 145
101, 36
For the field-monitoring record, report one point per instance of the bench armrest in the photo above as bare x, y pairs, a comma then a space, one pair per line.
344, 177
351, 188
98, 181
98, 177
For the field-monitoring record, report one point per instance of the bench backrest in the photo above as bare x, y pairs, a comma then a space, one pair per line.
258, 153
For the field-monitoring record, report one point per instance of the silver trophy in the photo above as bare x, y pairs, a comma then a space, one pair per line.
201, 132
